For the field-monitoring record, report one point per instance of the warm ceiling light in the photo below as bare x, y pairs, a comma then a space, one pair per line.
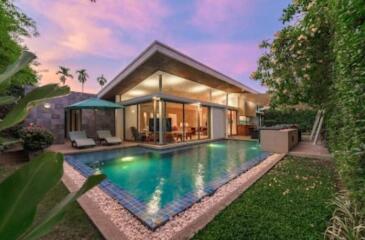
150, 82
216, 93
137, 92
199, 88
171, 80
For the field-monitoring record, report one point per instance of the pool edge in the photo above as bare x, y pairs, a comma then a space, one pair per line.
109, 230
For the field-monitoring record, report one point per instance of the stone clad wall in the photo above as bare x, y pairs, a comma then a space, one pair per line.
53, 118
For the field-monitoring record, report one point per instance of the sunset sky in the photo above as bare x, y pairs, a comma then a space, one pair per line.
105, 36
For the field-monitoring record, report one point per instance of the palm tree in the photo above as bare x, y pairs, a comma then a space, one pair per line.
65, 74
101, 80
82, 77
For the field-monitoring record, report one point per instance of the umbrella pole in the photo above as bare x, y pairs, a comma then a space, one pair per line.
95, 122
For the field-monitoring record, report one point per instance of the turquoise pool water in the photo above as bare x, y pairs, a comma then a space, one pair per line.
163, 183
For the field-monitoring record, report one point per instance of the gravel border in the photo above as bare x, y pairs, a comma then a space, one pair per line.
181, 226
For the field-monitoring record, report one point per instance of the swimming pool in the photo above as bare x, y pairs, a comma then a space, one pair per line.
155, 185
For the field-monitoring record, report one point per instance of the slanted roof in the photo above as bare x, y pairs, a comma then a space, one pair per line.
94, 103
160, 57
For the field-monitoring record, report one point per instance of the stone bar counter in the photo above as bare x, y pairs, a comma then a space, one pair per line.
278, 139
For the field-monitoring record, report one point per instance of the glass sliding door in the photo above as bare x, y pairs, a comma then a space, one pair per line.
164, 122
191, 122
204, 122
174, 122
231, 126
145, 117
130, 123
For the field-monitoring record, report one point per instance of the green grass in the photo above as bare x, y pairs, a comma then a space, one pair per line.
292, 201
75, 225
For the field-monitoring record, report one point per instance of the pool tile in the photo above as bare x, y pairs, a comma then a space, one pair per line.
138, 207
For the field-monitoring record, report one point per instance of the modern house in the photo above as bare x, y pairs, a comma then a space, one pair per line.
169, 97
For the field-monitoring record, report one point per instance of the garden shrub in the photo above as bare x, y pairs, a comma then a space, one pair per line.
318, 58
35, 138
304, 118
346, 110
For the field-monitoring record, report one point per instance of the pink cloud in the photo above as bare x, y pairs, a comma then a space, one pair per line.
223, 15
233, 59
74, 29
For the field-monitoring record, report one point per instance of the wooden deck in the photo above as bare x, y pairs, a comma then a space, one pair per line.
307, 149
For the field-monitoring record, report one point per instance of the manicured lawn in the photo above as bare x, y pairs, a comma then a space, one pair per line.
290, 202
75, 224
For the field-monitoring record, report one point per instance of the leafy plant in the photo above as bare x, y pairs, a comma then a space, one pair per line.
14, 26
318, 59
35, 138
304, 118
347, 222
22, 191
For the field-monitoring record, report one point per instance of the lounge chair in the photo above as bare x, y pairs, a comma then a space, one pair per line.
79, 139
137, 135
106, 137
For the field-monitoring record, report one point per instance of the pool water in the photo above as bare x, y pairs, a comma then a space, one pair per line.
163, 183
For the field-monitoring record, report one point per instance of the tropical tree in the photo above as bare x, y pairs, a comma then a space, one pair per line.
15, 25
297, 64
64, 73
82, 77
101, 80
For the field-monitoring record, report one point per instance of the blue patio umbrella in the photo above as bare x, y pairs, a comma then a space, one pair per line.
95, 104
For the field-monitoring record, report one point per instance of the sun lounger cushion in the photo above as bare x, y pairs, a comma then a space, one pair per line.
79, 139
113, 140
88, 142
106, 136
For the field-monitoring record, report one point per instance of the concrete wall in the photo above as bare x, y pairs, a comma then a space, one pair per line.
53, 118
218, 123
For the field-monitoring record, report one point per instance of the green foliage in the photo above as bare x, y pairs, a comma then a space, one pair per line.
75, 224
347, 222
15, 25
35, 138
304, 118
318, 58
346, 110
296, 65
289, 202
24, 105
22, 191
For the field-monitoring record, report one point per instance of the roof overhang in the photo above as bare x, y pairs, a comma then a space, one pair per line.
159, 57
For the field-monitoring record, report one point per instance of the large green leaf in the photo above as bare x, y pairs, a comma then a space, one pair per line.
37, 95
21, 63
56, 214
4, 142
21, 192
7, 100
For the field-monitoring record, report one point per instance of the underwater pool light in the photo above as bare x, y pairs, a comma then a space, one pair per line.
127, 159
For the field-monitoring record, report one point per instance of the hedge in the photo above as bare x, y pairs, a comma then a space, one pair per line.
346, 111
304, 118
